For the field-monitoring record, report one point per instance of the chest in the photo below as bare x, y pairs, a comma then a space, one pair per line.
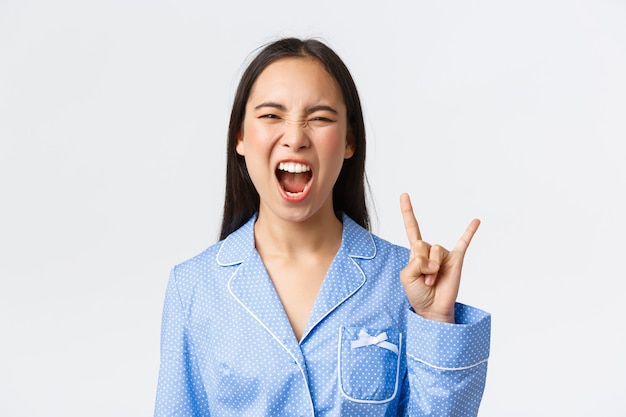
250, 365
298, 285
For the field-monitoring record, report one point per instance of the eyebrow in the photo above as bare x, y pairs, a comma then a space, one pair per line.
321, 107
309, 110
270, 104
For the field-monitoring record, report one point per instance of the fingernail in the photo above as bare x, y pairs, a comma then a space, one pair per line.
433, 265
429, 279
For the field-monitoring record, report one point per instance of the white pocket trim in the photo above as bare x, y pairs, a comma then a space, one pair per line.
360, 343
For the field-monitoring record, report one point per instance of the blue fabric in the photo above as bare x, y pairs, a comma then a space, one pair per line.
228, 349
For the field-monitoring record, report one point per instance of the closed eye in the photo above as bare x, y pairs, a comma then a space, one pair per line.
321, 121
322, 115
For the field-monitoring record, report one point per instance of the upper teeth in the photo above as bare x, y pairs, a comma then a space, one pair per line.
293, 167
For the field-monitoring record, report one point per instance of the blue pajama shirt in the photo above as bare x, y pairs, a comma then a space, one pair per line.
228, 349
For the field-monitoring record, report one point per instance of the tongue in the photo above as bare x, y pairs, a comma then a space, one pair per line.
293, 183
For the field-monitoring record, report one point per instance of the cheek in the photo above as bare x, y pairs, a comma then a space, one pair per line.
256, 142
334, 144
258, 135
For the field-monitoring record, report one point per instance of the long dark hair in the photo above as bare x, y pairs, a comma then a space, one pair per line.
241, 199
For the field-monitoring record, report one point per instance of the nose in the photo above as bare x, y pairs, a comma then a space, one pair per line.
294, 135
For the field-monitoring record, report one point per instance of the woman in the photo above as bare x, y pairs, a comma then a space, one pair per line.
298, 309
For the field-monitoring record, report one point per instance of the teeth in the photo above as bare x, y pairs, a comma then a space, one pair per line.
293, 167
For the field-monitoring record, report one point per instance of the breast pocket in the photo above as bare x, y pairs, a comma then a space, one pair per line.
369, 364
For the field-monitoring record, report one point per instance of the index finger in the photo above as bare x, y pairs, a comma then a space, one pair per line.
410, 222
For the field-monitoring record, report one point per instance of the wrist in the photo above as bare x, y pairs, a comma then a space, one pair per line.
435, 316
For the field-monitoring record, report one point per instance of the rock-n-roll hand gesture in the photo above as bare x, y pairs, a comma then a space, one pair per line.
432, 277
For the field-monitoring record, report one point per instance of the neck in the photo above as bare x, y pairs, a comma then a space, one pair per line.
319, 233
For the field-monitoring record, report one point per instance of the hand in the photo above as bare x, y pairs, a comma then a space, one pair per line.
432, 277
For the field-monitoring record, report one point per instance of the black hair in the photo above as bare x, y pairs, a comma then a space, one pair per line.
241, 198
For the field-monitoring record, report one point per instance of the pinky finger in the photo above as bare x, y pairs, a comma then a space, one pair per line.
466, 238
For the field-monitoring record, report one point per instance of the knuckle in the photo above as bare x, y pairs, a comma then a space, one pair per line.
437, 248
420, 261
420, 244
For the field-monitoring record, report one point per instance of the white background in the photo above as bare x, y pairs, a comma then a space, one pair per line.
113, 118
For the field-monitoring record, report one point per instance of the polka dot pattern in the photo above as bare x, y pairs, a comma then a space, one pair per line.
227, 348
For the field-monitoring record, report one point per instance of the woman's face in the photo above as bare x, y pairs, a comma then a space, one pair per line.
294, 139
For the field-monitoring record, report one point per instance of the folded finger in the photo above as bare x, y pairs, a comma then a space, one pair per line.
437, 254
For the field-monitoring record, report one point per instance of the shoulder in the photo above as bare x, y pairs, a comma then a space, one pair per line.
362, 243
390, 258
216, 261
386, 248
189, 272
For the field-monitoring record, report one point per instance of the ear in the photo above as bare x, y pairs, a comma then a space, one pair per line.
350, 146
240, 148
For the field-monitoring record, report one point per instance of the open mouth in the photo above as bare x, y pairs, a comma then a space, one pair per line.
293, 177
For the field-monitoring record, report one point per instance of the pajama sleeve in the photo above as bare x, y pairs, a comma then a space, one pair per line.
180, 391
447, 364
